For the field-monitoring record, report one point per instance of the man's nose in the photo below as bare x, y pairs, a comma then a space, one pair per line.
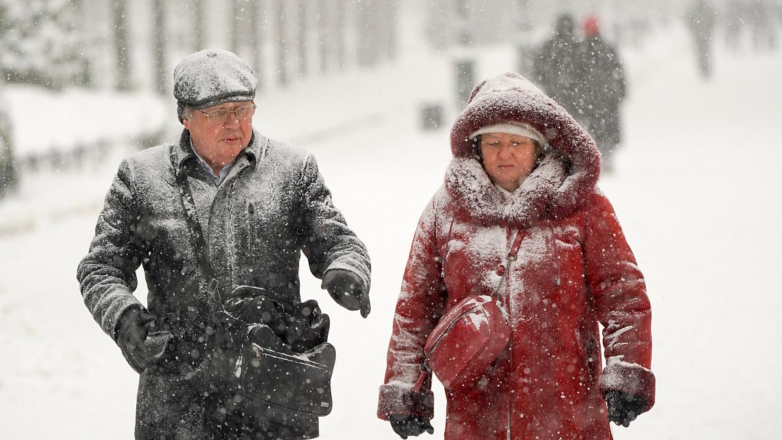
232, 120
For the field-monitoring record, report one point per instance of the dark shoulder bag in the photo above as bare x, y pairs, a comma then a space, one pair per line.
269, 351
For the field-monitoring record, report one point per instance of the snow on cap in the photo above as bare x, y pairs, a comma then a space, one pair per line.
211, 77
517, 128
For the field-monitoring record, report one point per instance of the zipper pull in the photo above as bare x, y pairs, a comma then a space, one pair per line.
420, 382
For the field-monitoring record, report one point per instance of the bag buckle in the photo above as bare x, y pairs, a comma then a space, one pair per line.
214, 290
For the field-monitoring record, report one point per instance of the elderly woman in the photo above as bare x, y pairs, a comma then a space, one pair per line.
520, 219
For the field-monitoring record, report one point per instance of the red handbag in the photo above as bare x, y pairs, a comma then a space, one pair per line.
466, 341
469, 337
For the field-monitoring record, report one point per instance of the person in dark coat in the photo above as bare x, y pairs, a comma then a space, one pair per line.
604, 88
520, 219
556, 69
257, 204
701, 19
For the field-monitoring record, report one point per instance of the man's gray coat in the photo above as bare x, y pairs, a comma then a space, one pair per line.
272, 205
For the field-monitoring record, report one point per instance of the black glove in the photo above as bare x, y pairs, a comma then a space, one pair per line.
406, 425
302, 326
306, 327
347, 289
255, 310
134, 326
623, 408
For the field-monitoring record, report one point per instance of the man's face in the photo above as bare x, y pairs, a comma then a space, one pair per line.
218, 138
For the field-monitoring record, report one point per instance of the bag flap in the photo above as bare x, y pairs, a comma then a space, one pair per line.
464, 306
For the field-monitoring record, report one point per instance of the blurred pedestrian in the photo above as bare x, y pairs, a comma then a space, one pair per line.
555, 68
604, 88
520, 224
223, 210
701, 19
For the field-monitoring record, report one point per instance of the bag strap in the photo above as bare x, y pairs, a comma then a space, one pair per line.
512, 252
502, 270
197, 239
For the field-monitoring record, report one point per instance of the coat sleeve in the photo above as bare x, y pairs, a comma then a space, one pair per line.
327, 242
419, 307
622, 307
107, 274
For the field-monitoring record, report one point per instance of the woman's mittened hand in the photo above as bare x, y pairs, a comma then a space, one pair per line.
623, 408
407, 425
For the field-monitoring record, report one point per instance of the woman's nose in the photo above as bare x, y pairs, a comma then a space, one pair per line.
505, 150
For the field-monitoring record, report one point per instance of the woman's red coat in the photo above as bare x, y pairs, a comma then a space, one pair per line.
574, 271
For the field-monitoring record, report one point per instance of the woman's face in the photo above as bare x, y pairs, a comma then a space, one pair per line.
508, 158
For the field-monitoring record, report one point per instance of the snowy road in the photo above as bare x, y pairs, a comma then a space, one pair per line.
697, 190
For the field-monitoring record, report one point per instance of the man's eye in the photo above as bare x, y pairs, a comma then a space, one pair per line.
219, 113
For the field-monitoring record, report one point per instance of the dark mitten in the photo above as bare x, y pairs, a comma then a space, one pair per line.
348, 290
406, 425
134, 325
623, 408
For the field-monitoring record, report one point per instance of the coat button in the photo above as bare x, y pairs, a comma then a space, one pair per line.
501, 270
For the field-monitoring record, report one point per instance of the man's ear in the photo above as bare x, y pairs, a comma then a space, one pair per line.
186, 121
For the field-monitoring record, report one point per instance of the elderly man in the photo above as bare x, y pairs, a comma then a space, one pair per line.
222, 208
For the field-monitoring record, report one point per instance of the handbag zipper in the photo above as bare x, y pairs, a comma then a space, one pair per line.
442, 336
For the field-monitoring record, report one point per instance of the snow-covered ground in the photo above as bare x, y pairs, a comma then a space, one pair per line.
697, 190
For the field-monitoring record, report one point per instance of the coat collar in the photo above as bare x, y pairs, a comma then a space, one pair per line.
476, 195
183, 151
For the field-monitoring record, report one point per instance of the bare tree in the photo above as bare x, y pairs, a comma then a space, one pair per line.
198, 7
323, 36
118, 10
159, 45
256, 39
340, 28
282, 51
368, 33
301, 39
236, 25
390, 17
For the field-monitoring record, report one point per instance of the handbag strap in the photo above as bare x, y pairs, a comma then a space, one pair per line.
512, 252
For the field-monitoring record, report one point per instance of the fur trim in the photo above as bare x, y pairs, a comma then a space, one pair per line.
629, 378
512, 98
467, 182
396, 399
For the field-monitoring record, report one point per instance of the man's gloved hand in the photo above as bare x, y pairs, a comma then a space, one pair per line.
306, 327
347, 289
623, 408
133, 328
255, 310
406, 425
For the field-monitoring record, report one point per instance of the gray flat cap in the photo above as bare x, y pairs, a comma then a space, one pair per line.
211, 77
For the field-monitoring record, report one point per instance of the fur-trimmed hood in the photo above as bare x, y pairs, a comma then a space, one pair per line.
559, 185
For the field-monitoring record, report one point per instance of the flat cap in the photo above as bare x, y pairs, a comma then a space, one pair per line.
212, 77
